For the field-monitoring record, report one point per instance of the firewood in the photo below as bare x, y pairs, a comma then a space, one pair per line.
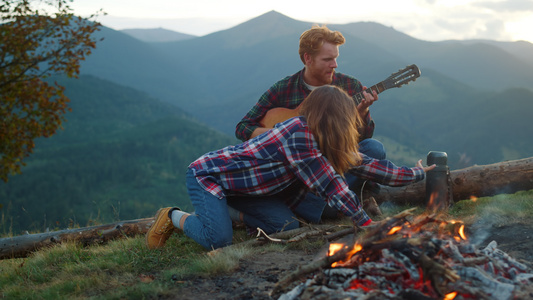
376, 238
301, 271
412, 257
436, 273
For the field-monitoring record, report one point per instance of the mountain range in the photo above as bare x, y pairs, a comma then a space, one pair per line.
149, 102
217, 78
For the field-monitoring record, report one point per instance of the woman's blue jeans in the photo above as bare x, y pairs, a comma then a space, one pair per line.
210, 225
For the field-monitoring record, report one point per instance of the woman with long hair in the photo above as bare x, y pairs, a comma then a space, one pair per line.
262, 179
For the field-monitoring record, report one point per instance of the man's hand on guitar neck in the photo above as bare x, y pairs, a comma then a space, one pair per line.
369, 99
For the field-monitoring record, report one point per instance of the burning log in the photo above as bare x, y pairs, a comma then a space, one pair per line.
479, 181
407, 257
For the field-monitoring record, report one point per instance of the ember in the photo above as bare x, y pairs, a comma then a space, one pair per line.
415, 258
450, 296
395, 229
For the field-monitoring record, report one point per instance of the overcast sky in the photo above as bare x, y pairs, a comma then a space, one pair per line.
432, 20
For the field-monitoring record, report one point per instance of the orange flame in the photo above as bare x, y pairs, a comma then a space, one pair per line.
334, 248
462, 232
473, 198
394, 230
356, 248
450, 296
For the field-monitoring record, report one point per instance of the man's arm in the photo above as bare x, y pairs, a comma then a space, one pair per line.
284, 93
249, 126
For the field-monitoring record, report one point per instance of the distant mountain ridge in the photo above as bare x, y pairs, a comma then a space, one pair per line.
157, 35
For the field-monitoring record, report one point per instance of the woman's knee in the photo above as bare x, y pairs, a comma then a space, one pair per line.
215, 238
221, 240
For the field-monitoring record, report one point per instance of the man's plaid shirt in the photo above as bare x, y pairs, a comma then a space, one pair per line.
289, 93
270, 162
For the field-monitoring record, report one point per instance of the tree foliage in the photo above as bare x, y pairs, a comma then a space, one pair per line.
38, 39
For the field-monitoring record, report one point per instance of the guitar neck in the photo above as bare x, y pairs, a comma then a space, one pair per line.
379, 87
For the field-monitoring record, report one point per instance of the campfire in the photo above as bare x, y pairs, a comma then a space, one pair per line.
414, 257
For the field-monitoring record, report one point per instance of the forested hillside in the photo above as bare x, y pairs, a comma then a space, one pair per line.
121, 155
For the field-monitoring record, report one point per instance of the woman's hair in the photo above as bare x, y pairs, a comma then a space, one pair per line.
311, 40
333, 120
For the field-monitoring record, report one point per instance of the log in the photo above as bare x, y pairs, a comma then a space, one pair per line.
22, 246
475, 181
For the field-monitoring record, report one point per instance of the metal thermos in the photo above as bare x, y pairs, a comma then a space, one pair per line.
438, 189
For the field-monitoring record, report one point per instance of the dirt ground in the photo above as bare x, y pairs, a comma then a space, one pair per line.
256, 276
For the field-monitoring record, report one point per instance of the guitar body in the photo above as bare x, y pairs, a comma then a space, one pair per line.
395, 80
277, 115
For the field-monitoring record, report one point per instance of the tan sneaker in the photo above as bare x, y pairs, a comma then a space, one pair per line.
161, 229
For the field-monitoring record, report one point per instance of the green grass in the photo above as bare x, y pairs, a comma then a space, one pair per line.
126, 269
121, 269
500, 209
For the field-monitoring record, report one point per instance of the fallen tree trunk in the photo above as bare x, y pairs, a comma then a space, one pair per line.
476, 181
22, 246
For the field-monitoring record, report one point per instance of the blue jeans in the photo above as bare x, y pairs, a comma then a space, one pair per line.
210, 225
312, 207
270, 213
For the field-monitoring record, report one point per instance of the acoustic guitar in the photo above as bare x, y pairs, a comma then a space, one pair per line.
395, 80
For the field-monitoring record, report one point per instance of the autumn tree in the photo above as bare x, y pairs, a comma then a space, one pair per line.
38, 39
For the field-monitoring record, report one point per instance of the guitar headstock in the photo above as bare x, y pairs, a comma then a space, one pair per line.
403, 76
